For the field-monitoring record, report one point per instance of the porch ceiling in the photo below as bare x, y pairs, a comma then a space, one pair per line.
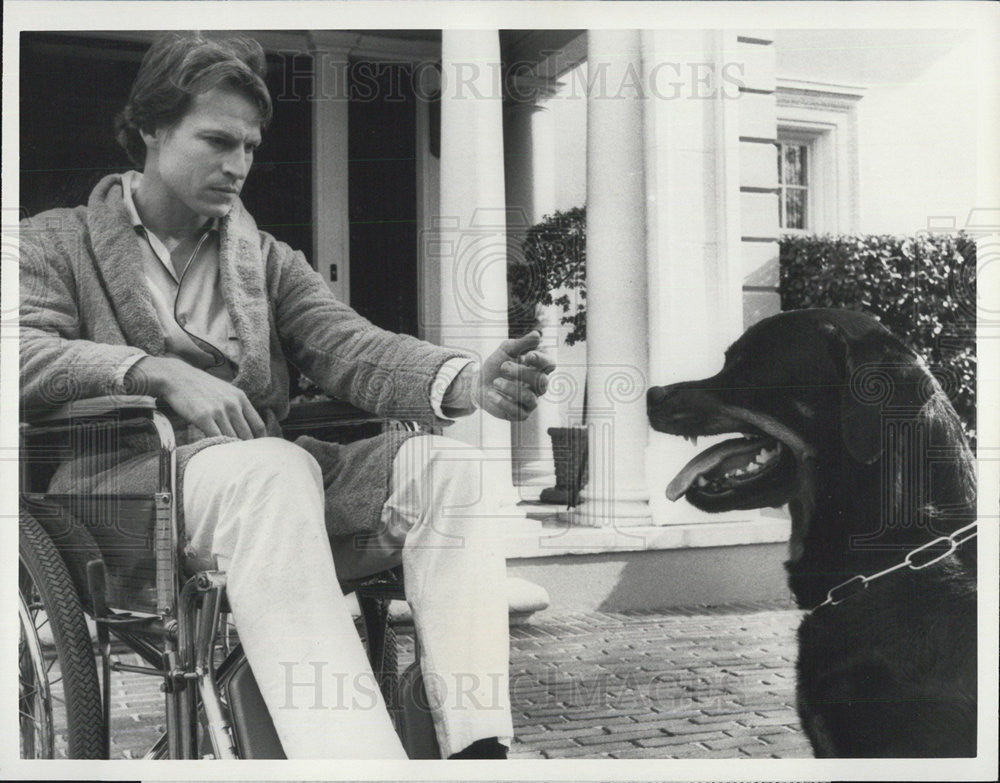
537, 46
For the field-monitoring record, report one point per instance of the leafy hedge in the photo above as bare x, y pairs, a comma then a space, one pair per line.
554, 261
923, 289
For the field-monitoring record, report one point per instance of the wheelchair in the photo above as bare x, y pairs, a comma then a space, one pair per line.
112, 568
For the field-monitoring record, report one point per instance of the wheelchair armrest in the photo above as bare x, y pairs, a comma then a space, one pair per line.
304, 414
337, 421
54, 433
91, 408
88, 427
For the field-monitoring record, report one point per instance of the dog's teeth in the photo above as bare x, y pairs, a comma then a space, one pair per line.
765, 456
753, 467
694, 440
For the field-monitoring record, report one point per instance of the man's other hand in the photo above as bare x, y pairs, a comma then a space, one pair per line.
212, 405
513, 378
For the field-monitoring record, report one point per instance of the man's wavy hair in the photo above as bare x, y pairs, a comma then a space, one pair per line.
180, 66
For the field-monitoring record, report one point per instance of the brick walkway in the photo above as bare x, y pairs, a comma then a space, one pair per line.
656, 685
691, 684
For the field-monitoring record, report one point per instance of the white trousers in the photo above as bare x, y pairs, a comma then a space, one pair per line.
256, 508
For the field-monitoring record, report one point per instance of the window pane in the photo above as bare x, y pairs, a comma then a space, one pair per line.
795, 208
794, 164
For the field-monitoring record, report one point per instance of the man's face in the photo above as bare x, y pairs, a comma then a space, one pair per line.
204, 159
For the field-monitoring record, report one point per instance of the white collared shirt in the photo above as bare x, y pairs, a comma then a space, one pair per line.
188, 301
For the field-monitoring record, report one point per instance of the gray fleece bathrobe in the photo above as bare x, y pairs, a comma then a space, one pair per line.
86, 307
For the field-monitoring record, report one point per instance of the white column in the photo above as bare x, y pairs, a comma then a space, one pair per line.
428, 207
472, 236
693, 231
529, 149
617, 494
331, 232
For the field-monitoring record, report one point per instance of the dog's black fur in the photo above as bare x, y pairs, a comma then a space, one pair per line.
872, 464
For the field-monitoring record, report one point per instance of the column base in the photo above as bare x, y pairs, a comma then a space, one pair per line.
627, 508
534, 473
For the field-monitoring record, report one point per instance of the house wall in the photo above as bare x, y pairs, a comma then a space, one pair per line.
757, 112
916, 124
904, 155
917, 146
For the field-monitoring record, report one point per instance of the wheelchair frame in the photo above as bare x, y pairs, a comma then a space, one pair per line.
180, 637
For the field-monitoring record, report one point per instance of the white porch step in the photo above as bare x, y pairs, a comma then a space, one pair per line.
523, 597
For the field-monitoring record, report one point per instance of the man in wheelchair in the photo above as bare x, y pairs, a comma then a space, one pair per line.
163, 285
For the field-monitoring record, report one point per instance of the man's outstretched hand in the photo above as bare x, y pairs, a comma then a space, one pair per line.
512, 378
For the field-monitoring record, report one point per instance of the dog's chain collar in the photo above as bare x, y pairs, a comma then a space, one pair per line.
918, 558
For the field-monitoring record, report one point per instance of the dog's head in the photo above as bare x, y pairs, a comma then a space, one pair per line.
799, 387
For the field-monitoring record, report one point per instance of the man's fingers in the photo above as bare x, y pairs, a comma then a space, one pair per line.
501, 406
210, 428
225, 427
241, 427
540, 360
538, 381
257, 426
216, 426
514, 348
517, 392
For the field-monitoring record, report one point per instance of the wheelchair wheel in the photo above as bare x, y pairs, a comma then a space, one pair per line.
57, 675
382, 647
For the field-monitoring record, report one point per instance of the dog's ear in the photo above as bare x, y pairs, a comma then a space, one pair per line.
867, 383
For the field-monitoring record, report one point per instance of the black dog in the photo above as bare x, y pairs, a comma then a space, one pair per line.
845, 424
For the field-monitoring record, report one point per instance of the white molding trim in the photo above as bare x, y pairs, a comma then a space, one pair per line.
836, 97
374, 47
824, 115
728, 199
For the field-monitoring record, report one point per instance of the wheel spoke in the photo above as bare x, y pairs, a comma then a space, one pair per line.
34, 704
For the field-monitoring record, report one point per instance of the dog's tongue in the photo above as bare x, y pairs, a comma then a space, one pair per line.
710, 458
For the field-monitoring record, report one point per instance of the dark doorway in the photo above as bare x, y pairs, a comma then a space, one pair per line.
383, 195
72, 87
